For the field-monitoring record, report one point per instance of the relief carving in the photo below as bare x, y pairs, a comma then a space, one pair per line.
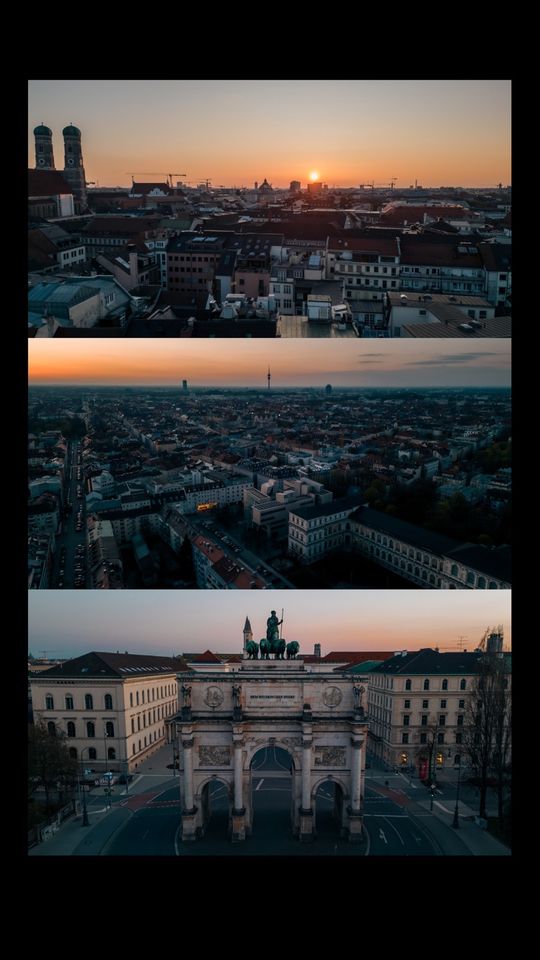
330, 757
214, 756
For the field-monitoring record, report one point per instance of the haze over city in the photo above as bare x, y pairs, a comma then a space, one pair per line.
293, 363
435, 132
163, 623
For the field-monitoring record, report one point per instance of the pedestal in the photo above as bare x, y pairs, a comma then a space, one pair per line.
189, 825
355, 825
238, 825
305, 834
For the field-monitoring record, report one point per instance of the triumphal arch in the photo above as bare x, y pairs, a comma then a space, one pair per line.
272, 697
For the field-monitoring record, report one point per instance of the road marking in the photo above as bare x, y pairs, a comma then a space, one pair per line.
259, 785
382, 836
437, 804
389, 816
395, 831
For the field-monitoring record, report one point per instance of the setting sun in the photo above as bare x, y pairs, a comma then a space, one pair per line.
314, 175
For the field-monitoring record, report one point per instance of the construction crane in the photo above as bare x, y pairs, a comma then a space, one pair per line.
155, 173
372, 185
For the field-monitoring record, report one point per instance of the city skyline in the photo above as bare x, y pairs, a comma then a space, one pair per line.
464, 142
166, 624
293, 363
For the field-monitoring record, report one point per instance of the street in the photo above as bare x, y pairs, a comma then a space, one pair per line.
71, 552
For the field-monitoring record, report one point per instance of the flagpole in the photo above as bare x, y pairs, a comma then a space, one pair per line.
281, 625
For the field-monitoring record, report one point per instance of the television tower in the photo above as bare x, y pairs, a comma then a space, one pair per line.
268, 377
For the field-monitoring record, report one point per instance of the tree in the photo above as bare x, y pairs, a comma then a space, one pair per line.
487, 727
49, 763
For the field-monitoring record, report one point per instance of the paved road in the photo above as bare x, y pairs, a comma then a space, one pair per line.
70, 538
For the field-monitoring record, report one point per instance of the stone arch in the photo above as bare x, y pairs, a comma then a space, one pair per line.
253, 798
252, 747
333, 819
203, 802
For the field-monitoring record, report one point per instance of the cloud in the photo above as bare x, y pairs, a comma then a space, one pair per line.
364, 362
372, 355
453, 358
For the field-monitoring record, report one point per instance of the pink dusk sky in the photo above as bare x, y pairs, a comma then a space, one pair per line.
68, 623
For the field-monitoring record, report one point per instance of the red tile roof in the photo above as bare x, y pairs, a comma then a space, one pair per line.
356, 656
206, 657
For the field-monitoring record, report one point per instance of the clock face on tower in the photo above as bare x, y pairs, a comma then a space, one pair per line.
70, 161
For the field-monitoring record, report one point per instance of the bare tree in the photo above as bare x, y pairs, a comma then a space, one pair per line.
49, 763
487, 727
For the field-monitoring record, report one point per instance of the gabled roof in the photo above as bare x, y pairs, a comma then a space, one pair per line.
116, 665
206, 657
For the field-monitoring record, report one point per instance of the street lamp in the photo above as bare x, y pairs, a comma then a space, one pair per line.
85, 820
455, 822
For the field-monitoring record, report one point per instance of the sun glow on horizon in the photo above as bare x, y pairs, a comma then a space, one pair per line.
314, 175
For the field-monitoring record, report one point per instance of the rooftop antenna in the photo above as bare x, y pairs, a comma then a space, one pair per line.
460, 641
268, 377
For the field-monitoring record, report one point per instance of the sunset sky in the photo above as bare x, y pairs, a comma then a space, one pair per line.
292, 362
439, 132
73, 622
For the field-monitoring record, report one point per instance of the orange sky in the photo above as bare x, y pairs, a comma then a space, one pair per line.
439, 132
292, 362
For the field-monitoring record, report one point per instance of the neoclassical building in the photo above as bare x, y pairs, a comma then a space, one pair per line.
112, 707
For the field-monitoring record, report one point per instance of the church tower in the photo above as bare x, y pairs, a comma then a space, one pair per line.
44, 148
248, 635
74, 167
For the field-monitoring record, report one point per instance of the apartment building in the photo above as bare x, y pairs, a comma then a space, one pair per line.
111, 707
417, 706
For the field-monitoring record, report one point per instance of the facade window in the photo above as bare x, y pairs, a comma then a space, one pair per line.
133, 725
459, 737
49, 703
425, 704
407, 705
73, 753
406, 721
442, 720
109, 728
108, 701
69, 703
445, 685
90, 729
440, 738
137, 697
460, 720
454, 570
407, 684
111, 753
51, 728
461, 704
404, 737
131, 699
423, 738
92, 753
443, 704
470, 578
426, 684
424, 719
71, 729
88, 701
463, 684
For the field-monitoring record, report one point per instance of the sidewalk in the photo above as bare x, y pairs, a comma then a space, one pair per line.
477, 841
72, 839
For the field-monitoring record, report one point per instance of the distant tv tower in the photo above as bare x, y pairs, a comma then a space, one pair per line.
268, 377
